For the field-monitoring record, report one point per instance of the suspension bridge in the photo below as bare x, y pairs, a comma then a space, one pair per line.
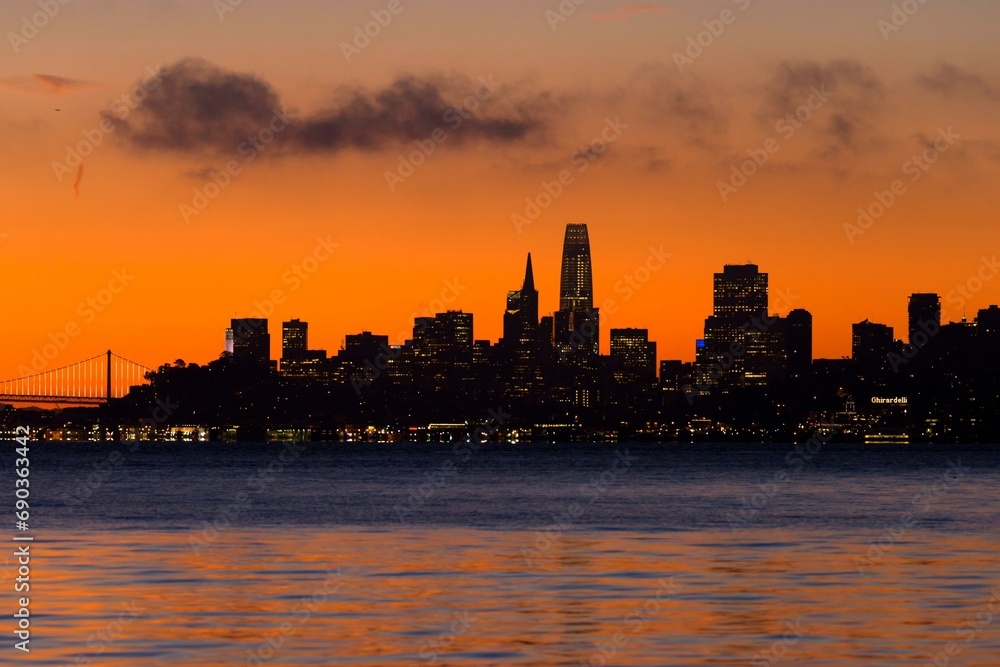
92, 381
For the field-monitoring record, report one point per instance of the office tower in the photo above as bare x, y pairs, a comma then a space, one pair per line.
251, 341
739, 338
798, 331
988, 332
633, 356
576, 283
363, 352
443, 335
924, 315
956, 352
294, 339
988, 321
442, 351
871, 342
988, 335
296, 357
365, 345
673, 372
520, 321
365, 358
740, 291
229, 340
546, 332
577, 322
521, 335
766, 352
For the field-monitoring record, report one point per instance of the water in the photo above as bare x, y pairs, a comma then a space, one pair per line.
357, 554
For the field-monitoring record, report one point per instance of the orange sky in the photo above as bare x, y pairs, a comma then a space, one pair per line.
450, 222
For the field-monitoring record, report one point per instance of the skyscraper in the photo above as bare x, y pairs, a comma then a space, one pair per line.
251, 341
798, 329
633, 356
737, 328
871, 342
577, 322
740, 290
296, 357
988, 321
443, 335
521, 335
576, 283
925, 314
442, 353
294, 339
520, 321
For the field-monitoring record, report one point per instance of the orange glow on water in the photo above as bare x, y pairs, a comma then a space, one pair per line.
635, 598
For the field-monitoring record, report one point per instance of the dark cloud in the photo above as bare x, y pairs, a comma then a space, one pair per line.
653, 160
848, 120
60, 84
965, 148
678, 103
195, 106
413, 107
43, 84
199, 107
950, 80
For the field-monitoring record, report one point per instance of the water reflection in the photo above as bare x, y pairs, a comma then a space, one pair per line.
468, 597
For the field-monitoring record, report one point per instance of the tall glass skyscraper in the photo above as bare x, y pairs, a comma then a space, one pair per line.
576, 284
577, 322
